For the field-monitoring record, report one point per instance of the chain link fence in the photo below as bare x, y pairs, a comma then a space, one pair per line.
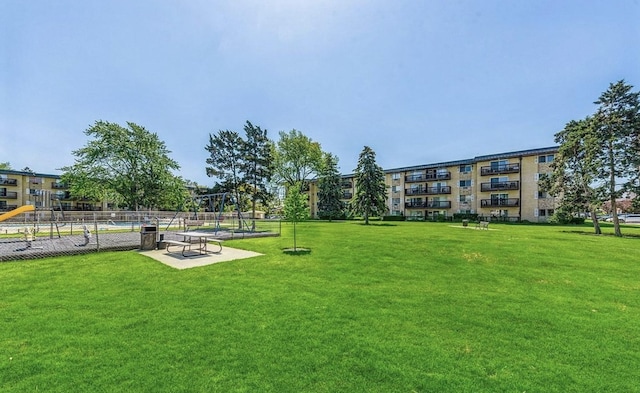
43, 234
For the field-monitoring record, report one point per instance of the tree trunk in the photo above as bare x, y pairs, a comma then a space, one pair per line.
596, 224
295, 247
612, 193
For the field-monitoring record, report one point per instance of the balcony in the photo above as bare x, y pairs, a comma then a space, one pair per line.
428, 190
347, 195
414, 178
428, 205
8, 182
6, 208
439, 205
438, 176
8, 194
500, 169
500, 186
346, 184
500, 202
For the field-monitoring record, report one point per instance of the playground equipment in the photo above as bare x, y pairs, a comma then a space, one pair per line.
15, 212
213, 203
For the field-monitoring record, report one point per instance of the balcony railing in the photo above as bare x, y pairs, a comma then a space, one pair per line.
414, 178
347, 195
7, 208
496, 170
439, 204
428, 205
9, 182
438, 176
9, 194
347, 184
58, 186
500, 202
499, 186
428, 190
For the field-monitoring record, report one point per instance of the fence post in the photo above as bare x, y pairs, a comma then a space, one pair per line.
95, 230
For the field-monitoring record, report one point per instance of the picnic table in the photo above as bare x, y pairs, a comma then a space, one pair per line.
194, 241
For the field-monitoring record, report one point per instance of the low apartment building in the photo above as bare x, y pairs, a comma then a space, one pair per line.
18, 188
498, 186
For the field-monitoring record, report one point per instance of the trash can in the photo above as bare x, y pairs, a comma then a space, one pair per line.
148, 234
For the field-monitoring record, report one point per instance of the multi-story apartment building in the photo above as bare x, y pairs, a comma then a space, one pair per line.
18, 188
500, 186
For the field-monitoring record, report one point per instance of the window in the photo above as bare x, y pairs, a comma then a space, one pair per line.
498, 165
547, 158
463, 198
395, 188
542, 213
542, 194
465, 168
395, 176
396, 200
465, 183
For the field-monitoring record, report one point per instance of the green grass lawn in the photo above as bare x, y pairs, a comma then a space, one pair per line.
390, 307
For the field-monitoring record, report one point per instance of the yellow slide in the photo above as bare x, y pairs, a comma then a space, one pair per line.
15, 212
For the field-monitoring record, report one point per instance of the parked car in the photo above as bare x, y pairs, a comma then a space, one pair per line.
631, 219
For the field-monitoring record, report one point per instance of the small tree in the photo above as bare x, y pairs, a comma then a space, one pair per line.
370, 198
296, 208
5, 166
330, 189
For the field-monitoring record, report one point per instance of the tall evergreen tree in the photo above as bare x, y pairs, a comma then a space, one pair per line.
574, 171
226, 157
370, 198
617, 124
330, 204
257, 164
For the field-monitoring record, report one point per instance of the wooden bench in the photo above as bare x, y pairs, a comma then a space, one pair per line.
482, 225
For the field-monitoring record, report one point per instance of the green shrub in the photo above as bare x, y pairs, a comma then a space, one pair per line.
394, 218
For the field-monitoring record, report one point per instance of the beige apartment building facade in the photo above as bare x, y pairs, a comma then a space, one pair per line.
43, 191
496, 187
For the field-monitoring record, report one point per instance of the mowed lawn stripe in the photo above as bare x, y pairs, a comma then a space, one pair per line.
401, 306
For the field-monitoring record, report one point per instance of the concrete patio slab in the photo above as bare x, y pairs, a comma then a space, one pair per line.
177, 261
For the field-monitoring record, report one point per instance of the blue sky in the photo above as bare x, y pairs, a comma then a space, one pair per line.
417, 81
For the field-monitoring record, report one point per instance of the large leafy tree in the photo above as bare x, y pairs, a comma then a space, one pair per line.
296, 158
330, 204
5, 166
574, 171
129, 165
296, 208
256, 164
617, 130
370, 196
225, 161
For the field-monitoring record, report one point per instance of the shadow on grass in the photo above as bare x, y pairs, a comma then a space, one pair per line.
377, 224
578, 232
296, 251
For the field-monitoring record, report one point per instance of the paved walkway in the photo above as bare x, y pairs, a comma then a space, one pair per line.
43, 247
